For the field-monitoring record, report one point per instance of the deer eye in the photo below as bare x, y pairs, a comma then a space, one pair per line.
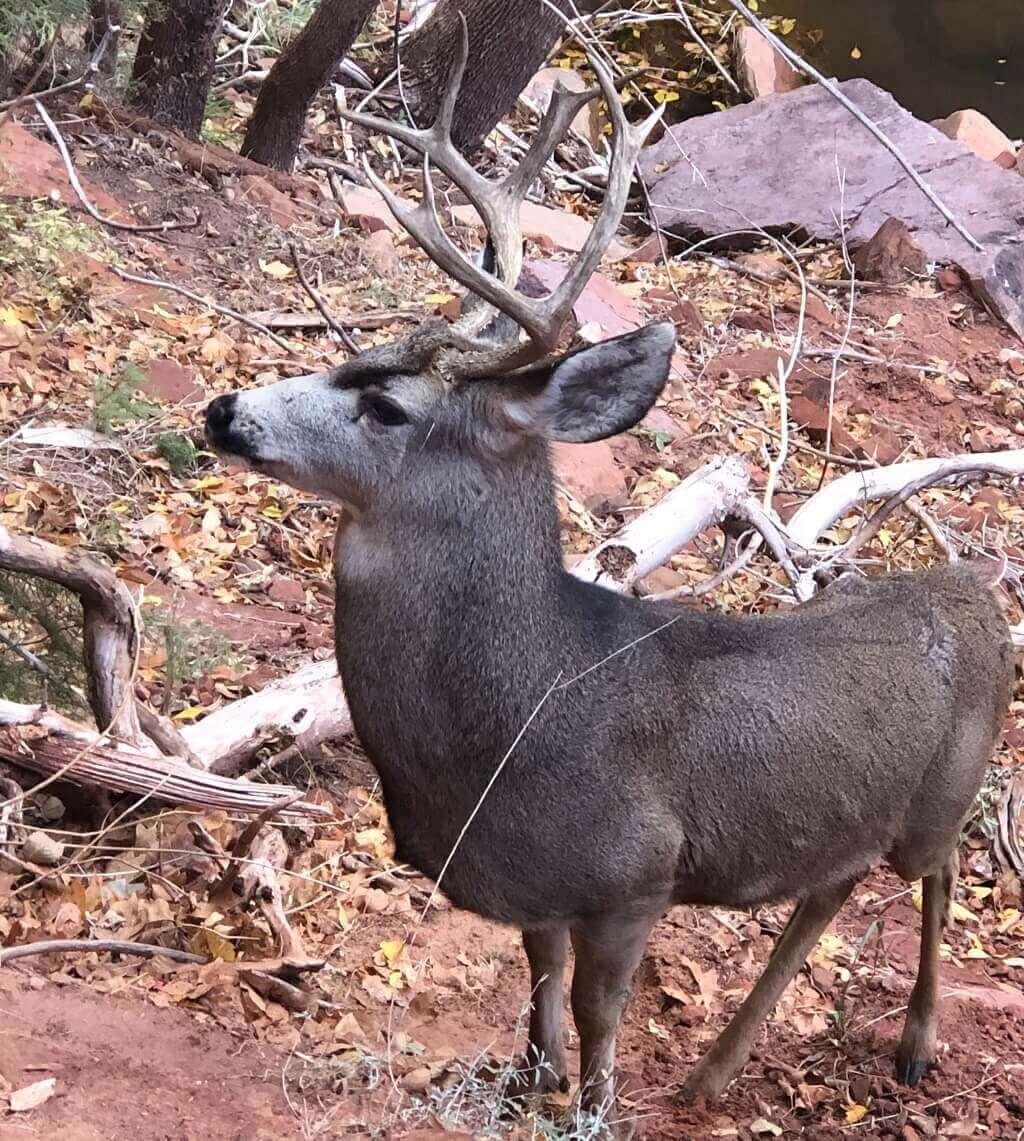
382, 410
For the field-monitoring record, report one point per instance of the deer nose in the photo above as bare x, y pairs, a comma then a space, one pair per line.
219, 414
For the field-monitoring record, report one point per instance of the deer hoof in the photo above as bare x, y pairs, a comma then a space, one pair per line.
536, 1081
911, 1070
705, 1083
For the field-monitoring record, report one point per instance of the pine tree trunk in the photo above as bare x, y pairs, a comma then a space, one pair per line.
174, 61
508, 42
307, 62
103, 14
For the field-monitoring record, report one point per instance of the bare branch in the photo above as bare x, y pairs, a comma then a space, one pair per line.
343, 335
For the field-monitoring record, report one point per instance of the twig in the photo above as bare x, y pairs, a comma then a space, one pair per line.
843, 461
698, 39
112, 946
802, 65
343, 335
371, 319
84, 80
69, 166
42, 668
173, 287
241, 847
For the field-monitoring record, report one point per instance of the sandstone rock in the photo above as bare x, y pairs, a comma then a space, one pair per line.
286, 591
590, 472
1007, 160
977, 132
553, 228
759, 67
601, 303
890, 254
268, 200
170, 382
379, 252
368, 208
748, 156
542, 85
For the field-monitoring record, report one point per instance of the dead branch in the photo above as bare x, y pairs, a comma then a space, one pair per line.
85, 80
242, 846
307, 706
340, 331
79, 189
832, 88
703, 499
10, 815
110, 632
45, 742
173, 287
1009, 848
108, 946
371, 319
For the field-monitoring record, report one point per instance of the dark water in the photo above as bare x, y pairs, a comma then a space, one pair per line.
935, 56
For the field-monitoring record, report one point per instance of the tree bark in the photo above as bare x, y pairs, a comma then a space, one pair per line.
102, 15
174, 61
509, 41
307, 62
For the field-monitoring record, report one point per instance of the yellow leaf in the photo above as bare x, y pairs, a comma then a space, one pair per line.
856, 1113
977, 951
85, 102
855, 54
392, 950
276, 269
656, 1030
395, 980
787, 25
663, 96
961, 914
218, 946
189, 714
438, 298
894, 320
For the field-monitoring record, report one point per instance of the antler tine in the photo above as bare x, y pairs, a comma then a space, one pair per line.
565, 105
423, 224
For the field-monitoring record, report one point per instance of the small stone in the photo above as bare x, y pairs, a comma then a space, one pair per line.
891, 255
759, 67
1007, 160
287, 591
42, 849
416, 1081
50, 808
976, 131
949, 278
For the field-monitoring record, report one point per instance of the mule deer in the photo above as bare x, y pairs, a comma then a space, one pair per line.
651, 755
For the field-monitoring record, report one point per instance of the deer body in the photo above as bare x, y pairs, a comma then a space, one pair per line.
721, 760
573, 761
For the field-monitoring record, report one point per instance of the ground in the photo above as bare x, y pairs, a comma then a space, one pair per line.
420, 1007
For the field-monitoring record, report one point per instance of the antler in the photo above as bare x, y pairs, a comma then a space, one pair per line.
498, 205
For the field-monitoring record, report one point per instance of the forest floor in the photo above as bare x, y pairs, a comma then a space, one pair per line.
421, 1011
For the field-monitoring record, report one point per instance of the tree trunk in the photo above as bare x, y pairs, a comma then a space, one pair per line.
307, 62
174, 61
509, 41
103, 14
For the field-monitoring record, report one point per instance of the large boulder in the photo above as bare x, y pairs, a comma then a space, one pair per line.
773, 164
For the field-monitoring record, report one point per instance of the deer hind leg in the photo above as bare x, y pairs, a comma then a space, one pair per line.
732, 1048
917, 1051
546, 1070
608, 951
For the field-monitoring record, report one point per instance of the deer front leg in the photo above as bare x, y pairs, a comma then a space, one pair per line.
546, 1070
732, 1048
607, 953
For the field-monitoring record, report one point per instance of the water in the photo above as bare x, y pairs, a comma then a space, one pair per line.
935, 56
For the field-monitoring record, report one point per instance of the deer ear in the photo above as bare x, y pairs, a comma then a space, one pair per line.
597, 391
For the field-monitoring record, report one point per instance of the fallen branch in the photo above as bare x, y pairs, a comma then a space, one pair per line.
343, 335
832, 88
83, 81
109, 946
704, 498
839, 497
371, 319
243, 845
79, 189
173, 287
45, 742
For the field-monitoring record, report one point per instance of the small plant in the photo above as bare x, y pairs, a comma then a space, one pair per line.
381, 295
117, 401
178, 450
191, 649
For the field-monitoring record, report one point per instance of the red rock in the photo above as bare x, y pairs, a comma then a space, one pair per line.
378, 249
541, 88
814, 420
366, 207
749, 365
755, 322
601, 303
553, 228
949, 278
759, 67
32, 168
976, 131
891, 255
170, 382
590, 472
287, 591
256, 191
815, 310
1007, 160
687, 317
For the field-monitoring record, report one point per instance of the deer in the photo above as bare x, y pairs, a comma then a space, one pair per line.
572, 761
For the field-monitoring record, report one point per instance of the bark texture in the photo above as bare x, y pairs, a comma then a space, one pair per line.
307, 62
508, 41
174, 61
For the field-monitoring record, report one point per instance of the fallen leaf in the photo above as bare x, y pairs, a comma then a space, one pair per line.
30, 1097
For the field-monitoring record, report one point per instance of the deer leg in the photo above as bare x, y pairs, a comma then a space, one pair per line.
546, 1069
607, 953
732, 1048
917, 1051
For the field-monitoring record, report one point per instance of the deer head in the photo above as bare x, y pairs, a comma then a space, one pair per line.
478, 386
